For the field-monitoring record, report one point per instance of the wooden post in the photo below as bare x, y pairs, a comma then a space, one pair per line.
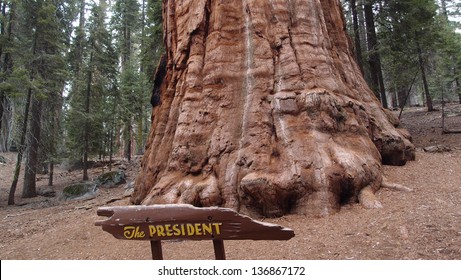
156, 247
219, 251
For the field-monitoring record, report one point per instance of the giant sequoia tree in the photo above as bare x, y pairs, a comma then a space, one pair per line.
260, 107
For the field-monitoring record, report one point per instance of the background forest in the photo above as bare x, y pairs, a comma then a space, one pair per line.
76, 75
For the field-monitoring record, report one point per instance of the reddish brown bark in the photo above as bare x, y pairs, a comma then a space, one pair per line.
263, 109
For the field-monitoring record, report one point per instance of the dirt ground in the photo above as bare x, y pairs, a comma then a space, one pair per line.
423, 224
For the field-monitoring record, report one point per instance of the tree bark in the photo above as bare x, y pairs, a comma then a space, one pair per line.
457, 83
33, 137
127, 135
33, 141
357, 41
427, 94
86, 133
263, 109
140, 116
458, 89
21, 149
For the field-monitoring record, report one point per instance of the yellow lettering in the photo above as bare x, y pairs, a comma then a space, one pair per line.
176, 231
169, 231
217, 228
160, 230
129, 232
152, 230
198, 229
190, 229
207, 229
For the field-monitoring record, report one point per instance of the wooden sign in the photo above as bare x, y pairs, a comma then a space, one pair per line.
186, 222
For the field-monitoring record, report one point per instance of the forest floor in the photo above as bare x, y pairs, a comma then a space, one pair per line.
423, 224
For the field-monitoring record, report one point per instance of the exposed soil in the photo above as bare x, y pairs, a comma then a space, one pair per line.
423, 224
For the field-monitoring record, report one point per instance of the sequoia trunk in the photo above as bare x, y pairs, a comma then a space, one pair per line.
260, 107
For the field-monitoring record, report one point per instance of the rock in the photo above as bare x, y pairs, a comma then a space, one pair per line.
437, 149
111, 179
129, 188
403, 232
46, 191
84, 190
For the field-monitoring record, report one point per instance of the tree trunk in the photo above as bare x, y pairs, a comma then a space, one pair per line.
80, 40
111, 146
3, 147
6, 68
21, 149
458, 90
33, 137
427, 94
33, 142
263, 109
357, 41
139, 136
5, 122
374, 57
86, 133
457, 83
127, 137
140, 117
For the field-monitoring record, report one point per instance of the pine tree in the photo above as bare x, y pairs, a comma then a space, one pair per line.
408, 34
93, 89
374, 57
47, 70
355, 10
7, 27
126, 23
153, 38
449, 51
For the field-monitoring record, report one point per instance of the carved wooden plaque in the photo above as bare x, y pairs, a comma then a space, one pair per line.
180, 221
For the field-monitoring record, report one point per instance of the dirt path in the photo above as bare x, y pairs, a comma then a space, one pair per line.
423, 224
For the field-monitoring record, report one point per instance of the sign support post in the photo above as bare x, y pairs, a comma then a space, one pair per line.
156, 248
219, 252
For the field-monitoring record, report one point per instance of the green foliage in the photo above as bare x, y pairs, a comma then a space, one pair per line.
91, 73
447, 72
406, 28
100, 59
126, 24
153, 38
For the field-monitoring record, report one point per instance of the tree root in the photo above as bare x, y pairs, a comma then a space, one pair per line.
368, 199
451, 131
396, 187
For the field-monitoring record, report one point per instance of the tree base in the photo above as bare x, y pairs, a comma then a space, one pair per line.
261, 108
315, 161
